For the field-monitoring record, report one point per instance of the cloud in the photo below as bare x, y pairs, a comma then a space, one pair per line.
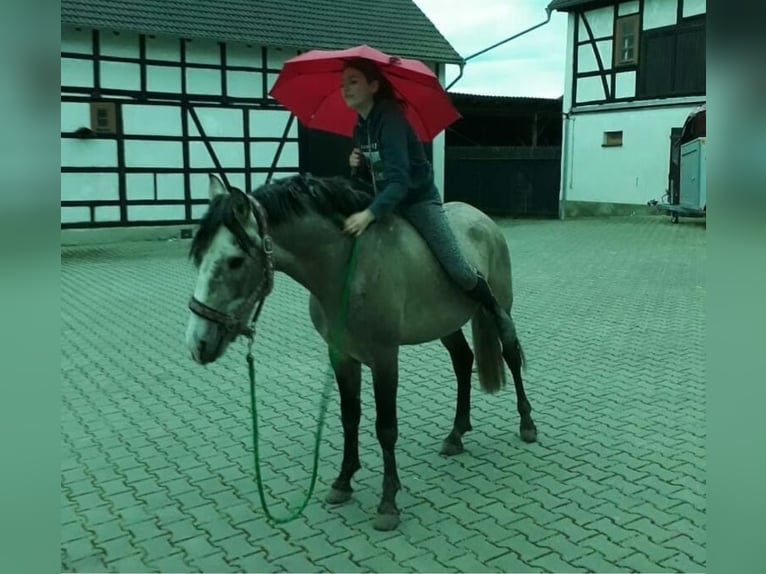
532, 65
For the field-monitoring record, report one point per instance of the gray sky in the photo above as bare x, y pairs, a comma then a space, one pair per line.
532, 65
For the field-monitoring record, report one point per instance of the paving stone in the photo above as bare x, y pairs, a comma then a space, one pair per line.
80, 548
655, 533
570, 529
91, 563
564, 548
680, 562
71, 531
428, 563
198, 545
119, 548
175, 562
510, 562
688, 546
441, 548
609, 550
553, 562
638, 562
298, 563
133, 563
212, 563
382, 563
156, 548
482, 548
657, 552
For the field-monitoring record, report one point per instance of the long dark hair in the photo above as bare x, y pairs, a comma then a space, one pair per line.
372, 73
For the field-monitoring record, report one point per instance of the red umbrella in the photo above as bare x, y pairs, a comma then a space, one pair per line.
309, 85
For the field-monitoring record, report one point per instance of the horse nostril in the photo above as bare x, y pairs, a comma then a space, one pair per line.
201, 347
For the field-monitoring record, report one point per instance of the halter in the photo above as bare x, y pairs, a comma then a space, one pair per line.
233, 324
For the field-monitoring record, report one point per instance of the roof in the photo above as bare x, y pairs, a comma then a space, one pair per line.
397, 27
569, 5
488, 105
466, 96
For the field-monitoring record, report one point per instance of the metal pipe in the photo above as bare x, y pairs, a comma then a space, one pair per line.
501, 42
564, 165
460, 75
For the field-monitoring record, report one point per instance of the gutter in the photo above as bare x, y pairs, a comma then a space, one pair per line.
548, 11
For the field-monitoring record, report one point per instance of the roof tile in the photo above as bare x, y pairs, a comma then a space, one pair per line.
394, 26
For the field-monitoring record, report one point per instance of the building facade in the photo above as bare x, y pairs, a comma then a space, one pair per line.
635, 69
131, 153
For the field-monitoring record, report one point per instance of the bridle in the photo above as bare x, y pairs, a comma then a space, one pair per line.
233, 324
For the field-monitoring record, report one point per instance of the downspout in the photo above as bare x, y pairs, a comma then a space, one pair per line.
564, 165
500, 43
460, 75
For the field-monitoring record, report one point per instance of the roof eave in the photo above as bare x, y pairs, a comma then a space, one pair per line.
574, 5
448, 58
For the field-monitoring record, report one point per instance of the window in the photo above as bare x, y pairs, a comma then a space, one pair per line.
626, 41
103, 117
672, 62
612, 139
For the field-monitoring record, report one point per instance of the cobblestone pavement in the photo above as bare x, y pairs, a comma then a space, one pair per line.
157, 468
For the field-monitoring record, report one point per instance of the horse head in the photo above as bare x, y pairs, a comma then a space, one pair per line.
233, 255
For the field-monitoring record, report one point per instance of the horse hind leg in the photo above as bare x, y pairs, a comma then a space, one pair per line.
514, 358
462, 363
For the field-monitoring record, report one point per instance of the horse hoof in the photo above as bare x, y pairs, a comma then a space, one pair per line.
386, 522
451, 449
336, 496
529, 434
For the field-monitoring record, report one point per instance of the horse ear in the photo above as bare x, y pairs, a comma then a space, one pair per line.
241, 206
216, 187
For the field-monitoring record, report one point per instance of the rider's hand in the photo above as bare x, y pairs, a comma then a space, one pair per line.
355, 159
356, 224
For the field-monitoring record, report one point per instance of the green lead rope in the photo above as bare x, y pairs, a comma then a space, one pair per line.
337, 338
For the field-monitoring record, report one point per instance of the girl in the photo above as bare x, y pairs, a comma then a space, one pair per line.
392, 157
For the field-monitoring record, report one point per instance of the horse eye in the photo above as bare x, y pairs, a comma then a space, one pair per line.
236, 262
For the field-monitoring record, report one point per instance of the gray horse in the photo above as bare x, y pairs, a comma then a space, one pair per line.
399, 296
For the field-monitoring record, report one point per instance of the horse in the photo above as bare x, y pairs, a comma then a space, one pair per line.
399, 295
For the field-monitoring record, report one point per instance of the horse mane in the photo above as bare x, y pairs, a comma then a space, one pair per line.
284, 200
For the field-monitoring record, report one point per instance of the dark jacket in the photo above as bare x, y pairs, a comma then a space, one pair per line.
393, 152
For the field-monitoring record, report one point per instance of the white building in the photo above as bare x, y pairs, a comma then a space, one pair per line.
132, 158
635, 69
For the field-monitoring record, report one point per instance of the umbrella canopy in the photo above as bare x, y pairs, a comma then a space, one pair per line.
309, 85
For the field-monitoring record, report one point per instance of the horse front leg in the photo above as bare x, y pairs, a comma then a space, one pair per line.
348, 376
385, 379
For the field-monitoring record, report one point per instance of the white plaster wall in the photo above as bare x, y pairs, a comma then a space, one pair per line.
634, 173
694, 7
659, 13
625, 84
590, 89
627, 8
164, 120
601, 23
569, 63
439, 140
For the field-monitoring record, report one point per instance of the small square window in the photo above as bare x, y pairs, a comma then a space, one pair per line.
612, 139
626, 41
103, 117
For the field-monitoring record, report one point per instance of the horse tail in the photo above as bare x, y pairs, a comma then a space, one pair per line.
488, 352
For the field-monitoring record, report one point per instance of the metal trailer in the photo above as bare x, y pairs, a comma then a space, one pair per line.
687, 178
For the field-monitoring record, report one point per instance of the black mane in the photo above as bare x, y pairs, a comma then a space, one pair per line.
284, 200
